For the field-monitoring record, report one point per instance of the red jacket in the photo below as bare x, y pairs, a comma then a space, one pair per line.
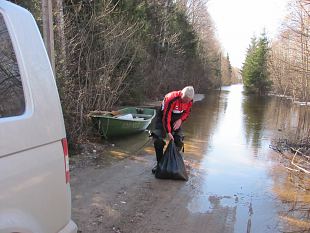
173, 106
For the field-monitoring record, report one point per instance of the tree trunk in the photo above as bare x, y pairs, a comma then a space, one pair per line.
60, 38
48, 33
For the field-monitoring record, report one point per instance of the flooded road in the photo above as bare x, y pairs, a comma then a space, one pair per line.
234, 167
237, 184
229, 141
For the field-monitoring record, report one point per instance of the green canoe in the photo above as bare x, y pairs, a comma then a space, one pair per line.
122, 122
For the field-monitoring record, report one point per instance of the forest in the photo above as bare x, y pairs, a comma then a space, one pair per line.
112, 53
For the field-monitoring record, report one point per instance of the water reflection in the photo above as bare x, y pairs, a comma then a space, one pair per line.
291, 189
254, 108
200, 125
229, 137
291, 119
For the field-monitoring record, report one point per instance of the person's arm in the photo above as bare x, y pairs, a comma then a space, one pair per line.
186, 113
168, 106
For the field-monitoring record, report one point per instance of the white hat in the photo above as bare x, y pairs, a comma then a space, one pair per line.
188, 92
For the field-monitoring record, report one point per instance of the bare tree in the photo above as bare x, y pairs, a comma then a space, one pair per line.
48, 31
60, 38
100, 57
289, 63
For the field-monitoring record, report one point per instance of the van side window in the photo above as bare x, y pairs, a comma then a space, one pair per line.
12, 101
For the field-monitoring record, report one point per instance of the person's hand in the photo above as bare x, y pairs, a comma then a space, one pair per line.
177, 124
170, 136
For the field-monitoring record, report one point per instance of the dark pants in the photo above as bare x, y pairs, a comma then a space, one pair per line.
159, 134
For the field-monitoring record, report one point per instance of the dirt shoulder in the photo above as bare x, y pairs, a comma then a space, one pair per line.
122, 195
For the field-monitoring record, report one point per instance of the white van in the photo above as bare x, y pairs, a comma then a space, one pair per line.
35, 192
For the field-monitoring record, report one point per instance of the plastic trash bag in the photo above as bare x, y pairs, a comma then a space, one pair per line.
171, 166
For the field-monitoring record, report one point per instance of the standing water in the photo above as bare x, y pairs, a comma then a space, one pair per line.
228, 138
237, 184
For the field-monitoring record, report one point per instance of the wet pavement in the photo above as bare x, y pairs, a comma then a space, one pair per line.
236, 182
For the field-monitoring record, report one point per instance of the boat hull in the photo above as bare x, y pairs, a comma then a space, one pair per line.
113, 126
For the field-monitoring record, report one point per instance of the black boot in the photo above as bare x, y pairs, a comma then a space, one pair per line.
159, 145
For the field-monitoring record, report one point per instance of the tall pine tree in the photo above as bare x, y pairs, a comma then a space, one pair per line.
254, 70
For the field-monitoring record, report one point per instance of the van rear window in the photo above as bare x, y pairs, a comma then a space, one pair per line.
12, 100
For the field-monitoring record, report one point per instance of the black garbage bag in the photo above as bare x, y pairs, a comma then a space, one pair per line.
171, 166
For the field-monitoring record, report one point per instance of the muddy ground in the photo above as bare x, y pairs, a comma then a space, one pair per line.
118, 193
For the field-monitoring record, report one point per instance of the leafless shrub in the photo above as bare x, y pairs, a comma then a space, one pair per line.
100, 56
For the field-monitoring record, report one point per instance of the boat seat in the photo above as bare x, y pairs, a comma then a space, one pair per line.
146, 116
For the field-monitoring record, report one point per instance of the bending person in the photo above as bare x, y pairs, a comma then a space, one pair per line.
174, 110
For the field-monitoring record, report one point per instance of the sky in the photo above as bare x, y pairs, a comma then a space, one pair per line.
237, 21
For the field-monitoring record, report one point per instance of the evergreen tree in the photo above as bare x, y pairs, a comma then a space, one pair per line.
254, 70
229, 67
229, 64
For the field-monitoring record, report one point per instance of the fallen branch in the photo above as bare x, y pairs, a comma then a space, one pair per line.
297, 165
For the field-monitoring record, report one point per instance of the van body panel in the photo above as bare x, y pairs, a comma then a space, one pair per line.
33, 183
42, 121
16, 221
34, 195
70, 228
